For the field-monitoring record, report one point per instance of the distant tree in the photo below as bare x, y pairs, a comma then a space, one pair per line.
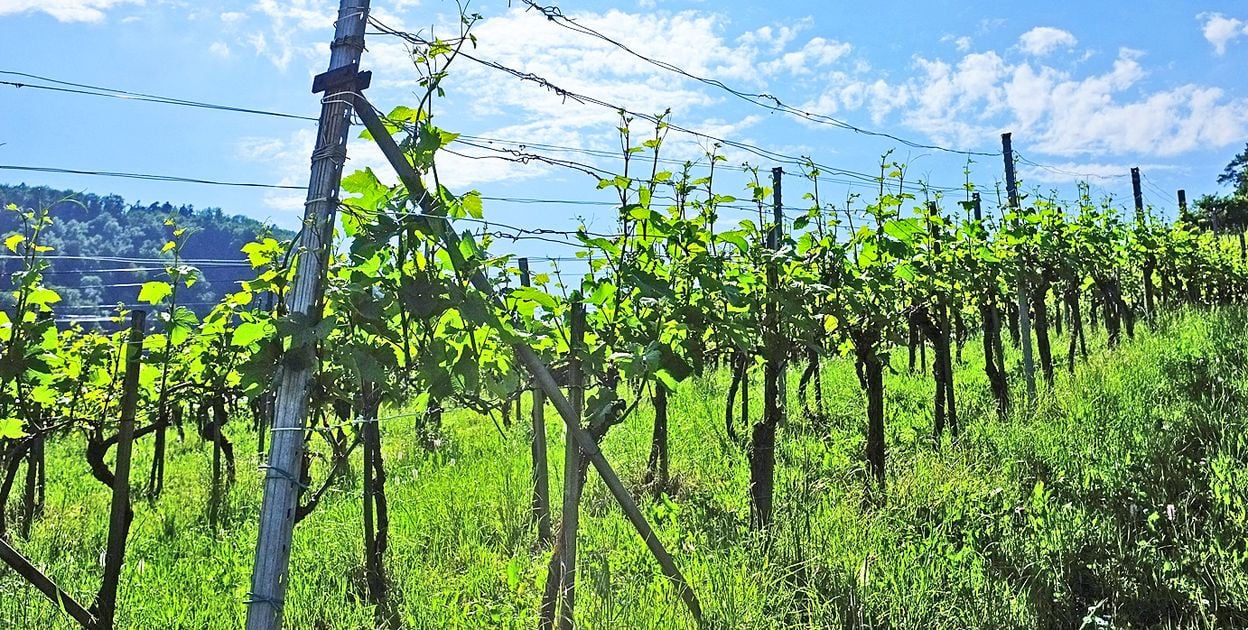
1222, 212
90, 229
1236, 174
1227, 212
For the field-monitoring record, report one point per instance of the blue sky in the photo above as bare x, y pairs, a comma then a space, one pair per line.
1085, 87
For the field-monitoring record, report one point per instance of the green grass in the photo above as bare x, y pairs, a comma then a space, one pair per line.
1123, 502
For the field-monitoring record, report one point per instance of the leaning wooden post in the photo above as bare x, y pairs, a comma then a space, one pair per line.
541, 470
438, 225
1024, 316
119, 514
270, 575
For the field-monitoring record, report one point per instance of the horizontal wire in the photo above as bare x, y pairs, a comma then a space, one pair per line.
585, 99
766, 101
94, 90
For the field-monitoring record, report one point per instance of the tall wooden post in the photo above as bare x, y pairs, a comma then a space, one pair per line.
119, 513
1137, 194
977, 207
541, 474
1024, 316
571, 474
776, 236
1150, 261
270, 574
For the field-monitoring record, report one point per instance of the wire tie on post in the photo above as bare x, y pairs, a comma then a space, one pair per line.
283, 474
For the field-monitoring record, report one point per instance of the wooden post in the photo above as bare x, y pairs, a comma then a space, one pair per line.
45, 585
270, 574
1182, 202
571, 476
975, 203
526, 356
541, 471
777, 235
763, 438
1138, 194
1024, 316
1150, 261
119, 513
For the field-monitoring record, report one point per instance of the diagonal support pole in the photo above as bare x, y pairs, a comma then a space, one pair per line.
450, 240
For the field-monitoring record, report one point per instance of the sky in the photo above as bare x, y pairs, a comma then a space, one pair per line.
1088, 90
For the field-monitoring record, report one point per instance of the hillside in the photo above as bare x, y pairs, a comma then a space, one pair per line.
99, 243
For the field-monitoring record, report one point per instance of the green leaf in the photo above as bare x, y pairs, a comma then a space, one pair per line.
155, 292
247, 333
534, 295
472, 204
667, 380
11, 429
903, 230
736, 239
42, 295
13, 241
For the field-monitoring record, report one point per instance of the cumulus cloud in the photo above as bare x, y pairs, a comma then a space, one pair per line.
1220, 30
969, 101
1043, 40
64, 10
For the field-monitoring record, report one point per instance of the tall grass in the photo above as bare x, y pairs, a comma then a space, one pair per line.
1121, 501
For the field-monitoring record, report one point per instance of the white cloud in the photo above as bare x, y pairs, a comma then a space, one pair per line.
962, 43
817, 53
1072, 172
1043, 40
1220, 30
220, 49
232, 17
967, 102
64, 10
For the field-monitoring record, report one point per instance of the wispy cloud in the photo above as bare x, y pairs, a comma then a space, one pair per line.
65, 10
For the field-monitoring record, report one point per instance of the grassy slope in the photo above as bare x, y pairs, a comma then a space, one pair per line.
1047, 522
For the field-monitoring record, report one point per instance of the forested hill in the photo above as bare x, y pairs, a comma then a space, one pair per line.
104, 248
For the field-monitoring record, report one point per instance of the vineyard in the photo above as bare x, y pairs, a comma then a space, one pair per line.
920, 408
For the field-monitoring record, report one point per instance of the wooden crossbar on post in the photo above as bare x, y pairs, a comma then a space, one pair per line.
450, 241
